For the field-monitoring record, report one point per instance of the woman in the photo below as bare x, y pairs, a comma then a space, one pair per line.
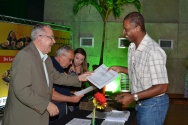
79, 64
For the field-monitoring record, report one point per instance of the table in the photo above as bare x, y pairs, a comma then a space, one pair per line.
83, 113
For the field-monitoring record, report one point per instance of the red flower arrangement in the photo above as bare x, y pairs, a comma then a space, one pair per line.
99, 101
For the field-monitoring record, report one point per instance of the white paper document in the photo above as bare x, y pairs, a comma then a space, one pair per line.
84, 91
105, 122
102, 76
120, 116
78, 121
114, 115
99, 115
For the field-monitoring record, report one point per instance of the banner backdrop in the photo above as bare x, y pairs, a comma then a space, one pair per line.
14, 37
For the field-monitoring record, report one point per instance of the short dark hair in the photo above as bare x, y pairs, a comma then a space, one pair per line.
136, 19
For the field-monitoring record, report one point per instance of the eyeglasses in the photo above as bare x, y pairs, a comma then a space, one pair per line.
50, 37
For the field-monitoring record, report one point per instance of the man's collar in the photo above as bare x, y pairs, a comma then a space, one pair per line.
143, 43
43, 56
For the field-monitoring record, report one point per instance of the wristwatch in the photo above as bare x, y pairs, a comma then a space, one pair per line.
135, 97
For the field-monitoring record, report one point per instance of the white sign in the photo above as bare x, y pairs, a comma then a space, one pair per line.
3, 101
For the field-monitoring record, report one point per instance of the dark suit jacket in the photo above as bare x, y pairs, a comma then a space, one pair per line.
29, 94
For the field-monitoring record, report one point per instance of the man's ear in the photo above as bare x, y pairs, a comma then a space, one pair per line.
138, 28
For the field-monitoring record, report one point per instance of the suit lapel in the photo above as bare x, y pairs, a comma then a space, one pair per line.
50, 73
39, 65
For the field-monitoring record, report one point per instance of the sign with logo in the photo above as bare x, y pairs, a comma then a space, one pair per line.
14, 37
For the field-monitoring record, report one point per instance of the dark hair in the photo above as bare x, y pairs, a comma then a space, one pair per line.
84, 66
136, 19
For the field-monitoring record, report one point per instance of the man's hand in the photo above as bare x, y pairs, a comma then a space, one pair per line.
83, 76
125, 99
115, 68
75, 98
119, 69
52, 109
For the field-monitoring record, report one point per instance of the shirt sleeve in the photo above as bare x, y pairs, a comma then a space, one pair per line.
157, 67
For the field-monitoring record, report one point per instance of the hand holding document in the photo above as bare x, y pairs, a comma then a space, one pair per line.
102, 76
99, 78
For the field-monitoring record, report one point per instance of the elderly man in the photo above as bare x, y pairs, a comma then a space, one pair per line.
61, 94
32, 77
